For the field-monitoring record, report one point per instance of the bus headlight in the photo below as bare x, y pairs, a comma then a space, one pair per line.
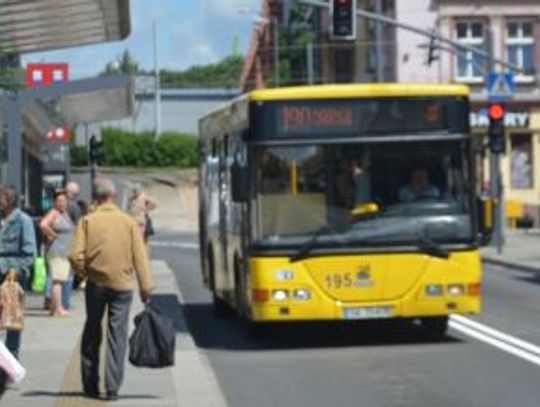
455, 290
434, 290
302, 295
280, 295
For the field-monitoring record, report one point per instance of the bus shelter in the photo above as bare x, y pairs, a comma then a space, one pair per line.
32, 26
42, 109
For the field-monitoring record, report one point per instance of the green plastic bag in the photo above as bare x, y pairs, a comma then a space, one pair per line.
39, 281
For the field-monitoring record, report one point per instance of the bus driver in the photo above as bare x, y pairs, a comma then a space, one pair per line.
419, 187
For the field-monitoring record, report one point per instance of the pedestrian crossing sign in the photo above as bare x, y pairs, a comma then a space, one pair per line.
500, 86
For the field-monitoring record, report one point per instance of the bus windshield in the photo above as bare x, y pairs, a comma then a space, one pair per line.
376, 193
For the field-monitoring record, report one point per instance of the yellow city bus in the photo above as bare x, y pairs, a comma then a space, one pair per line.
341, 202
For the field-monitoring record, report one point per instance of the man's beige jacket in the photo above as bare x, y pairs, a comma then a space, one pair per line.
108, 249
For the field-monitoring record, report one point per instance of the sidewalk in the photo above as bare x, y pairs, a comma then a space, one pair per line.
521, 251
50, 353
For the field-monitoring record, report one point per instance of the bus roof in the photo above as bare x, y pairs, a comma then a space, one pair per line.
351, 91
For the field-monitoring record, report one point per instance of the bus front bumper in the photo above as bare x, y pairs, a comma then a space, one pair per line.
336, 310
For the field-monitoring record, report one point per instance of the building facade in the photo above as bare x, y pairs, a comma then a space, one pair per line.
510, 31
321, 59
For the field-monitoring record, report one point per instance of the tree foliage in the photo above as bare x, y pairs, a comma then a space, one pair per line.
224, 74
293, 45
12, 78
142, 150
125, 64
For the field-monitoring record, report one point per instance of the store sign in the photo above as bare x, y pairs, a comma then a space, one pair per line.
512, 119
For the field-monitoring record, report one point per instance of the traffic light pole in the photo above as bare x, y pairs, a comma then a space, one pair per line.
93, 172
426, 33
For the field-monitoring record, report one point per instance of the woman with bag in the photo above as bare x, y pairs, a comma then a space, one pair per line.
58, 229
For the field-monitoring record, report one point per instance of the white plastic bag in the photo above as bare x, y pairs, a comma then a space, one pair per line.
14, 370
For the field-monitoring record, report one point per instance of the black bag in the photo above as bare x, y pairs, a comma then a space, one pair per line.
152, 343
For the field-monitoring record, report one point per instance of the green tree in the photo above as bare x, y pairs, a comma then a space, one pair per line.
224, 74
125, 64
12, 76
293, 43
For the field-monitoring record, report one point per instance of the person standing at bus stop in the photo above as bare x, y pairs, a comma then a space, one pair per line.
58, 228
140, 206
17, 250
108, 250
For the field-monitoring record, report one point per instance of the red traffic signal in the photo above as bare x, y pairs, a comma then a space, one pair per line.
343, 26
496, 111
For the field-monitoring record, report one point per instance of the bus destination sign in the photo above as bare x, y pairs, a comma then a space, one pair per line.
305, 118
365, 117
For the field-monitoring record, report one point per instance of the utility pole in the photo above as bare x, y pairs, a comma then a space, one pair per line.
94, 155
496, 181
310, 68
157, 102
379, 54
15, 144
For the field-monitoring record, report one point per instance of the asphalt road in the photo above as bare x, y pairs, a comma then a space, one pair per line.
371, 364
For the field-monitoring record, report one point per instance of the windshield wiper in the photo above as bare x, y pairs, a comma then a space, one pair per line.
306, 248
429, 247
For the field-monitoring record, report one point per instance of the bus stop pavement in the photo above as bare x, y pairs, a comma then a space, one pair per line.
50, 354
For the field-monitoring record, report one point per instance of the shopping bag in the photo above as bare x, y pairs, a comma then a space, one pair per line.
13, 370
152, 343
11, 303
39, 280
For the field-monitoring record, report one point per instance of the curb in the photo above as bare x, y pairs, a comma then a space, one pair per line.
511, 264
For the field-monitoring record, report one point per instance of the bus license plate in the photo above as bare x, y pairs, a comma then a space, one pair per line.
367, 312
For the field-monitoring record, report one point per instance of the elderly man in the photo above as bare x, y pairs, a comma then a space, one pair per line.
17, 249
108, 250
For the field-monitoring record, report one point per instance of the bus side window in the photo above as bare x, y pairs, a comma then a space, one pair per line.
214, 147
226, 148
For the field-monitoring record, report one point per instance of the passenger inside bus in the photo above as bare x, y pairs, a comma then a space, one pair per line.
419, 187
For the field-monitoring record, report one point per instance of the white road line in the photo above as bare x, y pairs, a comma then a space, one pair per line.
161, 243
482, 335
497, 334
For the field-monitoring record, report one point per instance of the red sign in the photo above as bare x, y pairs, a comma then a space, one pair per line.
38, 75
60, 135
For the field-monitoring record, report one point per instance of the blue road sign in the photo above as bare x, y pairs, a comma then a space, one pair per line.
500, 86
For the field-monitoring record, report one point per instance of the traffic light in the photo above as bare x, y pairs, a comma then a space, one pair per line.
497, 141
95, 150
343, 19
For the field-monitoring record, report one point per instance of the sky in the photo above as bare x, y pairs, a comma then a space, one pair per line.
192, 32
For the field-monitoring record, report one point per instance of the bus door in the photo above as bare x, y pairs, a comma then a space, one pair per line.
224, 208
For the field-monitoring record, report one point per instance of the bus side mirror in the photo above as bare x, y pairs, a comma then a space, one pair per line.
485, 220
240, 183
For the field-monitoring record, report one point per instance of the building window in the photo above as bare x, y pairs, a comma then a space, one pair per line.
520, 47
470, 66
521, 161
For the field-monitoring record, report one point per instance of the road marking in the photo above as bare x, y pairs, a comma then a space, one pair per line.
498, 339
498, 334
179, 245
